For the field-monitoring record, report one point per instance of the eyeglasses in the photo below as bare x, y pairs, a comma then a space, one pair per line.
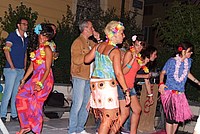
25, 24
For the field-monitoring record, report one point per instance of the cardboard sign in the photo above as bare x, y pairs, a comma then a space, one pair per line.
146, 122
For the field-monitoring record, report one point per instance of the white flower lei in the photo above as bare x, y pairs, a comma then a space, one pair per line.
177, 66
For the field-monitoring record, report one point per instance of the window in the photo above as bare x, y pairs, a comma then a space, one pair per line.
137, 4
149, 35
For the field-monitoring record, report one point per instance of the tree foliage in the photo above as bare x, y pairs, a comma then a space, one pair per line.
8, 22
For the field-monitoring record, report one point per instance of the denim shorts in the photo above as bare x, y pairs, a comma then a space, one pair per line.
121, 94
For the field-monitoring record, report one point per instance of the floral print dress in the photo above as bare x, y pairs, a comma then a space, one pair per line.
29, 103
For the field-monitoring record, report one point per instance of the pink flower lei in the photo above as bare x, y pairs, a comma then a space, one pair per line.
177, 67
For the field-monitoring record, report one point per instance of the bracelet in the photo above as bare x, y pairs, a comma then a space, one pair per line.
150, 95
161, 83
39, 83
6, 48
22, 81
125, 91
195, 80
129, 66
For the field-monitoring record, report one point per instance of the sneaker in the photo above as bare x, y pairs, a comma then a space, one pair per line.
3, 119
124, 131
83, 132
14, 119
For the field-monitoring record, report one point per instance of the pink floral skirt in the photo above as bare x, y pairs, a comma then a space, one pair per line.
104, 93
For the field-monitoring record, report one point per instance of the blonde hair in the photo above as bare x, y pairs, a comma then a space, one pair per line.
112, 26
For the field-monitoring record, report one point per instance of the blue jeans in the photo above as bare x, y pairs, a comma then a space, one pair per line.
80, 97
12, 81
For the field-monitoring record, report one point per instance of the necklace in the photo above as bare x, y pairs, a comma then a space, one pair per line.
177, 67
139, 60
40, 59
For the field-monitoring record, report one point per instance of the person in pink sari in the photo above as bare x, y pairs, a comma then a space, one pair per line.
34, 92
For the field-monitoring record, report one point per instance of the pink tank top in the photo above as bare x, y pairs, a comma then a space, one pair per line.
130, 76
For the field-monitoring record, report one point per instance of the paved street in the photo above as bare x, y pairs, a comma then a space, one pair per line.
58, 126
52, 126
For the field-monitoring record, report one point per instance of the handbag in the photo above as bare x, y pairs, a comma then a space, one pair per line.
55, 99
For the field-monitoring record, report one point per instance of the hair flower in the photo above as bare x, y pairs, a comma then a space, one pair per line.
134, 37
38, 29
180, 49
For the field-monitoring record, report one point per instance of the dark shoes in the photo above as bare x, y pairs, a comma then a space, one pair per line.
14, 119
11, 119
3, 119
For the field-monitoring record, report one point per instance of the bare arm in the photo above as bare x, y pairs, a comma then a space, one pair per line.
27, 74
144, 76
118, 72
90, 56
148, 87
162, 86
118, 69
48, 63
8, 57
192, 78
129, 58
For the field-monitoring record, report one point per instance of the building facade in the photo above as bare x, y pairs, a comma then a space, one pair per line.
53, 10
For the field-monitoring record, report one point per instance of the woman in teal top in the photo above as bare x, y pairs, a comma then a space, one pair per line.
104, 97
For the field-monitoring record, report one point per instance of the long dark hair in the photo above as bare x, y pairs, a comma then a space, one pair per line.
147, 52
47, 31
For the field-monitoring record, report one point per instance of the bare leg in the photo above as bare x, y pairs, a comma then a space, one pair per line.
169, 128
135, 106
124, 111
110, 121
175, 126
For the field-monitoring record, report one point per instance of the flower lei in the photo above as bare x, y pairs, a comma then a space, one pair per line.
39, 60
51, 44
139, 60
113, 44
177, 67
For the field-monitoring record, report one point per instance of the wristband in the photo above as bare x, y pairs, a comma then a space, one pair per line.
149, 95
161, 83
6, 48
22, 81
129, 66
39, 83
